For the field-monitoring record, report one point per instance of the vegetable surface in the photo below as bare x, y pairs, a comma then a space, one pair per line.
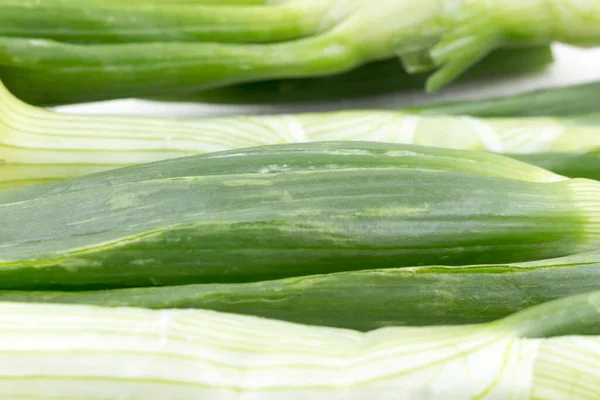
575, 165
446, 36
109, 21
365, 300
566, 101
374, 78
290, 210
63, 351
38, 145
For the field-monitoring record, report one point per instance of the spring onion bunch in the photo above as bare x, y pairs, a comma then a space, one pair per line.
414, 296
290, 210
156, 49
51, 351
37, 145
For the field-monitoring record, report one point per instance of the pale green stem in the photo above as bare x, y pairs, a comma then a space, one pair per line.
38, 145
66, 351
339, 35
101, 21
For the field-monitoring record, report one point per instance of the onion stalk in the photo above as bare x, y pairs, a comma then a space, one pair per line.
51, 351
38, 145
446, 36
117, 21
384, 76
289, 210
417, 296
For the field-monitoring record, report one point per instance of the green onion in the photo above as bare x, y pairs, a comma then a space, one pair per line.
575, 165
431, 295
38, 145
110, 21
568, 101
290, 210
374, 78
74, 352
341, 35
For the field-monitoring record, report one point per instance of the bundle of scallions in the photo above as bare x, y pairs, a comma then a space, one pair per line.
447, 251
236, 221
556, 129
63, 51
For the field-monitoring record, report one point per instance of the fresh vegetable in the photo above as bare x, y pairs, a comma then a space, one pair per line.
290, 210
567, 101
365, 300
375, 78
38, 145
73, 352
110, 21
106, 21
575, 165
448, 37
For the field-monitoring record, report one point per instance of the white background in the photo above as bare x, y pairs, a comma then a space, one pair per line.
572, 65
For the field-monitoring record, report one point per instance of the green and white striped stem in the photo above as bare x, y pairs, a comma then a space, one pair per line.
82, 352
325, 38
38, 145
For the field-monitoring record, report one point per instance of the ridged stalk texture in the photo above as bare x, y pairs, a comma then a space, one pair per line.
563, 101
366, 300
384, 76
64, 351
446, 36
110, 21
576, 165
38, 145
290, 210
